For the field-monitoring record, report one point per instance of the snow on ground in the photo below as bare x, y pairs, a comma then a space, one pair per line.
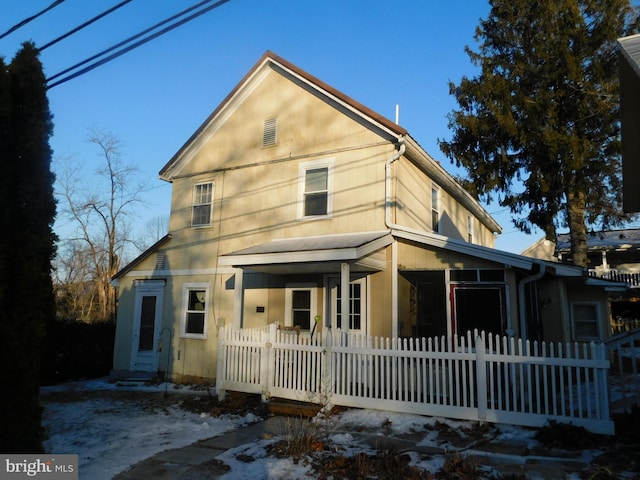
110, 434
113, 427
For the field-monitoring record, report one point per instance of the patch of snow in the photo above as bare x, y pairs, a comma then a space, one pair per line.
110, 435
111, 432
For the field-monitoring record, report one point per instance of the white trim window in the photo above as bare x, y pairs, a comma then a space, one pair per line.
585, 321
435, 209
301, 301
202, 204
315, 189
195, 299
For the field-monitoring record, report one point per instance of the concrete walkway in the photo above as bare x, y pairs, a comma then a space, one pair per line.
198, 460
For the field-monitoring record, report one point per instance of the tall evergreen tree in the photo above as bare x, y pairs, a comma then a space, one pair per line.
539, 125
27, 247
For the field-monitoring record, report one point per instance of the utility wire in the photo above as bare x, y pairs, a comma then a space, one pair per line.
130, 39
31, 18
135, 45
85, 24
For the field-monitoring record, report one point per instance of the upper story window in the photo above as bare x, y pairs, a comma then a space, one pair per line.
435, 209
202, 204
270, 132
470, 229
315, 189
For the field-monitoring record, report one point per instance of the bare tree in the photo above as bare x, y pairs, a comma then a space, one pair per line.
154, 229
100, 210
73, 282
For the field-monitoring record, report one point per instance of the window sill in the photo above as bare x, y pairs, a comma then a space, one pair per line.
313, 218
193, 336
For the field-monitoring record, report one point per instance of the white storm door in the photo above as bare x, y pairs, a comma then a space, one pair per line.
357, 301
146, 326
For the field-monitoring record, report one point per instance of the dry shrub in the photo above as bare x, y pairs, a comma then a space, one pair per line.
567, 436
459, 467
300, 437
387, 465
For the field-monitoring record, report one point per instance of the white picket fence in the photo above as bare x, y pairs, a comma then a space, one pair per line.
474, 377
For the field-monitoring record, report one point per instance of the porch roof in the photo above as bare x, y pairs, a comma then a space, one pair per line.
316, 254
507, 259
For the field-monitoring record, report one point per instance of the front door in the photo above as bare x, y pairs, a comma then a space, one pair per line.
146, 335
357, 305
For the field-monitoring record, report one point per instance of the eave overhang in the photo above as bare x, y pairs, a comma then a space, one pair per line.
136, 261
608, 285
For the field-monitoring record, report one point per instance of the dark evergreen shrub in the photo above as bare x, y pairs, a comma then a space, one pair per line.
76, 350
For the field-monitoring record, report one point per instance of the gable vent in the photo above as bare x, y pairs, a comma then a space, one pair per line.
161, 261
269, 135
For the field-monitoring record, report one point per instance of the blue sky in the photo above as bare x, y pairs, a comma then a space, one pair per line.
380, 53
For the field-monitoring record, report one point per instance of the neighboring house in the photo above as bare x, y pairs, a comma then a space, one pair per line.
612, 255
294, 204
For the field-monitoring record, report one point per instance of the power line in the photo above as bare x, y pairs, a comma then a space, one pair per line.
85, 24
120, 44
135, 45
31, 18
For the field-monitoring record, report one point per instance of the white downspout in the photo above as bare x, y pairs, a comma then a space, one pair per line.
387, 184
521, 298
394, 245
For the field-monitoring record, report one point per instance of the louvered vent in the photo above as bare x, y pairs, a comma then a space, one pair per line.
161, 261
269, 136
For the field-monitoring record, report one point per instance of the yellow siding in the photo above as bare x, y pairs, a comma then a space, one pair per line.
255, 200
413, 257
413, 190
257, 192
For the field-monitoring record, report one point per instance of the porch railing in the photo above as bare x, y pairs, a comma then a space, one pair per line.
624, 352
630, 278
472, 377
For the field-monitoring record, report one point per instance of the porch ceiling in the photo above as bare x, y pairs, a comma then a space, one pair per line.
317, 254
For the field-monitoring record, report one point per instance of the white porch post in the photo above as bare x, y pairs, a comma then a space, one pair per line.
238, 298
345, 294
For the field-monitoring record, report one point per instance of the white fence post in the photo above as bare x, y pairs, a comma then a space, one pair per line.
326, 374
267, 360
221, 364
481, 376
599, 351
